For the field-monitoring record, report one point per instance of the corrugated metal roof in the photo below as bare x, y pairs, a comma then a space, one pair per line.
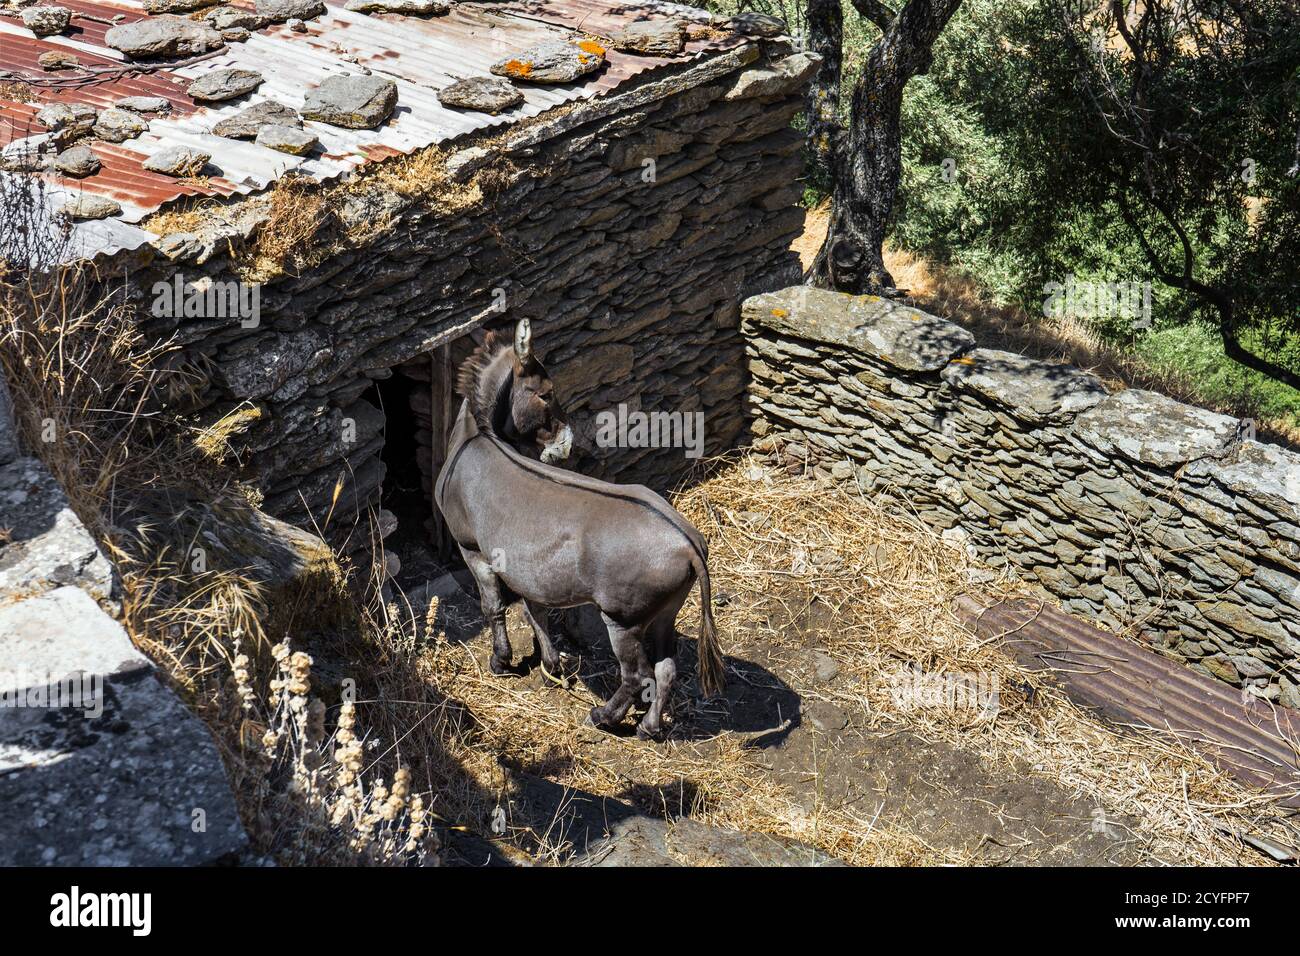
419, 55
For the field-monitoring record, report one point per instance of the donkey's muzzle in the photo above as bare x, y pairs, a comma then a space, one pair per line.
559, 448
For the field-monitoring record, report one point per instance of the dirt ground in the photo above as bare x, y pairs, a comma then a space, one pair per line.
835, 616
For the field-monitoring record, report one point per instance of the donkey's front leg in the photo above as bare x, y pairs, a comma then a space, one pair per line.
494, 608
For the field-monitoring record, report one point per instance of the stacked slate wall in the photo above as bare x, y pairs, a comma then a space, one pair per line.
1149, 515
627, 228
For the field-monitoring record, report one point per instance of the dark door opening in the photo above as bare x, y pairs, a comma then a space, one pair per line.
407, 490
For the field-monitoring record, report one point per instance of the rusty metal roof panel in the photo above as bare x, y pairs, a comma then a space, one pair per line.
1136, 687
419, 55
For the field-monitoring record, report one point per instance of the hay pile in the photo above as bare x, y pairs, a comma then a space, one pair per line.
889, 584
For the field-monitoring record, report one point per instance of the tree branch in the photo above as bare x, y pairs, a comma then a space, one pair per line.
875, 11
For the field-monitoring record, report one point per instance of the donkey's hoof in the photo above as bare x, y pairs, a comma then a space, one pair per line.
500, 666
643, 733
594, 720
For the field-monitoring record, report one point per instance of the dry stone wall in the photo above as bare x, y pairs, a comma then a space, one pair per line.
1141, 512
628, 229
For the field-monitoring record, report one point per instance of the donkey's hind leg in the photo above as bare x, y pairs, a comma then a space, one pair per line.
632, 663
538, 617
662, 636
493, 606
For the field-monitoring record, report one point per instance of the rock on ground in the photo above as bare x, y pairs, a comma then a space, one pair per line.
247, 123
648, 841
47, 546
280, 10
163, 36
226, 84
552, 62
178, 161
117, 126
78, 161
86, 206
420, 7
101, 765
653, 37
287, 139
353, 102
46, 21
480, 93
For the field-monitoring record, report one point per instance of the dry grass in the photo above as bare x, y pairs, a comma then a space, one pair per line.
952, 296
890, 582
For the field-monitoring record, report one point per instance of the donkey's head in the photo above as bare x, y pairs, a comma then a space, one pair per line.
511, 395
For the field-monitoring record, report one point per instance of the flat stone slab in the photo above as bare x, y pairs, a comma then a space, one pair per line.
1267, 474
287, 139
481, 93
651, 37
225, 84
117, 126
46, 21
100, 764
424, 8
89, 207
75, 119
144, 104
77, 162
173, 6
556, 61
48, 546
1030, 389
353, 102
234, 18
248, 122
279, 11
1153, 429
177, 161
887, 331
166, 35
752, 24
778, 79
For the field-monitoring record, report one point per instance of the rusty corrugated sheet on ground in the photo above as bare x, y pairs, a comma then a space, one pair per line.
1132, 686
420, 55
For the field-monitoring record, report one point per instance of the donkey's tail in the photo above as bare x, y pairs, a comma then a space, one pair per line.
713, 673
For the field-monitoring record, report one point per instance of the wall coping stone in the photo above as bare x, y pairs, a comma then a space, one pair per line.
1153, 429
1031, 389
887, 331
1269, 474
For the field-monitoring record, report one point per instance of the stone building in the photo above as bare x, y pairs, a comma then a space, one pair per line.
310, 211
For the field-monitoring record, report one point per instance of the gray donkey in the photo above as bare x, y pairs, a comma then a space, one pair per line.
559, 539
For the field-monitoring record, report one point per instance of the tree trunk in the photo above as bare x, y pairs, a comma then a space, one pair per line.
825, 38
868, 158
866, 182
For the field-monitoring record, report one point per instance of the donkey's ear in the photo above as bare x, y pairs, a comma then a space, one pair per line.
523, 340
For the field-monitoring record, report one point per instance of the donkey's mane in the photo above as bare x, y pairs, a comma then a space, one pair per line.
472, 382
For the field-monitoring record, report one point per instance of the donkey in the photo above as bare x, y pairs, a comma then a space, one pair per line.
558, 539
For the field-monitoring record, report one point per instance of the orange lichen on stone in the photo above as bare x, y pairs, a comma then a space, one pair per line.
780, 313
518, 67
591, 46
